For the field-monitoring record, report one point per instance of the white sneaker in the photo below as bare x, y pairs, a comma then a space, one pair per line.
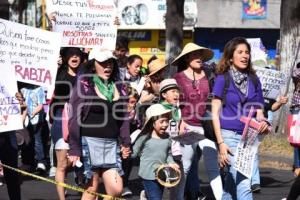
52, 171
41, 167
126, 192
143, 195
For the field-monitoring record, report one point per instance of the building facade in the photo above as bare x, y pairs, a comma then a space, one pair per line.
219, 21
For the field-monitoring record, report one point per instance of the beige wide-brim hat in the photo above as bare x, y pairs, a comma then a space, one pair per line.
155, 66
153, 111
206, 54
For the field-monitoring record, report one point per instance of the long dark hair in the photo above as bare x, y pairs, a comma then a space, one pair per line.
66, 53
225, 63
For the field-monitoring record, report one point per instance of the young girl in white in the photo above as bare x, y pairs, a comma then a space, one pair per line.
153, 147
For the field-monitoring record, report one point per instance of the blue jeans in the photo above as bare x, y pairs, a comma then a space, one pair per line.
36, 134
296, 157
255, 178
236, 186
153, 189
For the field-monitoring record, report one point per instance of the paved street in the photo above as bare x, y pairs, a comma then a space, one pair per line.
275, 185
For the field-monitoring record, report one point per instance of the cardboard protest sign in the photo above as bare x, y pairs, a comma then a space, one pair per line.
85, 23
247, 148
31, 52
10, 112
258, 54
245, 153
271, 81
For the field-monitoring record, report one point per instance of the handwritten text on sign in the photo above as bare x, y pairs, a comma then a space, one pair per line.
85, 23
245, 153
10, 114
32, 52
271, 81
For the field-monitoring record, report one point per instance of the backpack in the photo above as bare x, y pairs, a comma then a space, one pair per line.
210, 74
207, 120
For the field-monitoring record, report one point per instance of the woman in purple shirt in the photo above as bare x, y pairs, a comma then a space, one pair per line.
242, 93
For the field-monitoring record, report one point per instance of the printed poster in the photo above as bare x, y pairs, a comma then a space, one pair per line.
33, 53
10, 112
151, 14
254, 9
85, 23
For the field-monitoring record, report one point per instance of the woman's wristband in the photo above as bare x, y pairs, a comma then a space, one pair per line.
219, 143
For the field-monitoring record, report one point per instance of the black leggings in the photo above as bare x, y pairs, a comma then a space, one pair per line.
9, 156
295, 190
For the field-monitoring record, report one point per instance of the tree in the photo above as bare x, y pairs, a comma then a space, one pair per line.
289, 41
174, 32
4, 14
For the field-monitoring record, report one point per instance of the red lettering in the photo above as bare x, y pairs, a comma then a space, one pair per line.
18, 70
27, 73
85, 41
33, 75
40, 75
48, 77
77, 34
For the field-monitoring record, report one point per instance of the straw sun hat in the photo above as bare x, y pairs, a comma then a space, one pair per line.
155, 66
206, 54
153, 111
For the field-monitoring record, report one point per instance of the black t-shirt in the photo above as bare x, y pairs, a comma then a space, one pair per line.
268, 105
102, 120
63, 86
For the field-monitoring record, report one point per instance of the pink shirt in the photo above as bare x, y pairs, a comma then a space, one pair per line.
192, 100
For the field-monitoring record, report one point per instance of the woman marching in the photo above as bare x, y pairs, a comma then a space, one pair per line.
95, 123
244, 91
65, 80
195, 83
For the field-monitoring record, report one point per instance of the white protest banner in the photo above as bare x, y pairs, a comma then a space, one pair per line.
151, 14
85, 23
32, 52
10, 113
258, 54
271, 81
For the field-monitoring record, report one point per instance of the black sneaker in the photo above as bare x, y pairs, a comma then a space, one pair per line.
255, 188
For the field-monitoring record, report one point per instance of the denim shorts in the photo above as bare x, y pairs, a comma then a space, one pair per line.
56, 128
89, 168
